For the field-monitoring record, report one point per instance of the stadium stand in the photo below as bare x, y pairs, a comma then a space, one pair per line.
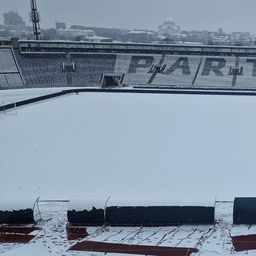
179, 71
136, 67
195, 71
42, 70
214, 72
9, 73
7, 63
248, 78
90, 67
12, 80
3, 81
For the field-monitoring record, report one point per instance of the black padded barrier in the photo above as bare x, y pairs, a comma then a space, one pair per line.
244, 211
94, 217
159, 215
23, 216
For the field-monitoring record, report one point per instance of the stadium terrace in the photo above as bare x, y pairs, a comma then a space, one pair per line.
59, 63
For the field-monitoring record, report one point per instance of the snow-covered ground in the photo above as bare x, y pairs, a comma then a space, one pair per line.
130, 145
96, 145
11, 96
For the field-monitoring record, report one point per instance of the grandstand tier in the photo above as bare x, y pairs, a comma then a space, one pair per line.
44, 68
9, 73
7, 62
136, 67
248, 78
91, 67
179, 71
214, 72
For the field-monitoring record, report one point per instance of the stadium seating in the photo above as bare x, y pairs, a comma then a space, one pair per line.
3, 81
214, 72
136, 67
7, 62
180, 71
12, 80
42, 70
247, 79
9, 73
91, 67
45, 70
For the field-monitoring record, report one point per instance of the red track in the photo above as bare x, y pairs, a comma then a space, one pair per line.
16, 234
244, 243
74, 232
15, 238
17, 229
132, 249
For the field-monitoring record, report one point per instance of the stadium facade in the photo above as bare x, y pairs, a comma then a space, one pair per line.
29, 64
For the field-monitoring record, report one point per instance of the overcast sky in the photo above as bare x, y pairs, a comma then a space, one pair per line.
231, 15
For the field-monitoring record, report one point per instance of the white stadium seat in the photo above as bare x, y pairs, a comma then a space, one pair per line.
136, 67
178, 76
220, 78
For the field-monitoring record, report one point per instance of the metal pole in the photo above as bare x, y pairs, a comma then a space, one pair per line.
35, 20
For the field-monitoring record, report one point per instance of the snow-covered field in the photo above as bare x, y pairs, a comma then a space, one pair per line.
143, 145
11, 96
179, 147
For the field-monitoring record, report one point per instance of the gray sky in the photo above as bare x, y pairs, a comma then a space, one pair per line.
232, 15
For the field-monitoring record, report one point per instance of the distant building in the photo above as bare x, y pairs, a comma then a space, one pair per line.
98, 39
60, 25
86, 35
220, 31
13, 21
74, 34
241, 35
169, 28
139, 36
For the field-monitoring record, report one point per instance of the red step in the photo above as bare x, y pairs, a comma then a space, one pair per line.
18, 229
76, 232
15, 238
91, 246
244, 243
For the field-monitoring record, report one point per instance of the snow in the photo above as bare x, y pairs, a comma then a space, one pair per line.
17, 203
15, 95
87, 204
96, 145
11, 96
101, 203
115, 201
243, 230
32, 249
